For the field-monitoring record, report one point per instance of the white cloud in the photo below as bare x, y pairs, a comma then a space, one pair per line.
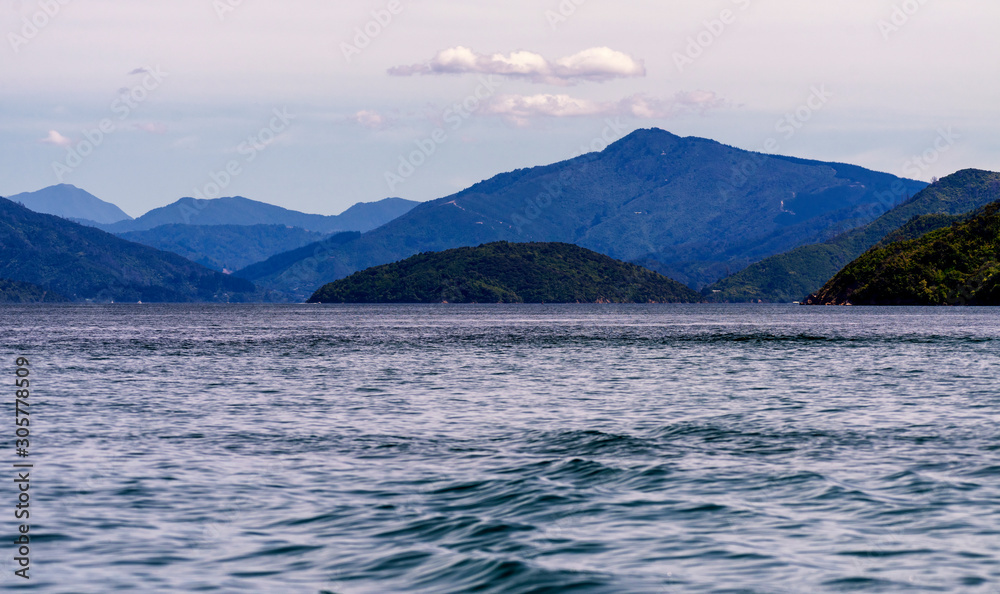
57, 139
594, 64
520, 108
558, 106
599, 63
369, 119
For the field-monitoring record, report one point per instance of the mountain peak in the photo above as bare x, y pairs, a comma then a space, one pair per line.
645, 136
654, 139
675, 205
70, 202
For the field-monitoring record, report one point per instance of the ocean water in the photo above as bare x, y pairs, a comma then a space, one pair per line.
509, 449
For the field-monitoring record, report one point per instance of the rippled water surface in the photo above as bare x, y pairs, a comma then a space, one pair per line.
439, 449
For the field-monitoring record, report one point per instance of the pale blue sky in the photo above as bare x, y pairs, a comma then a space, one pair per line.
187, 88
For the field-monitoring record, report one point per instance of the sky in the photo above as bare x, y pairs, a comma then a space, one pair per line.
316, 105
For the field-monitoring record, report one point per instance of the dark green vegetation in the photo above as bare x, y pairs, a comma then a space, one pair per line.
18, 292
688, 207
228, 247
793, 275
84, 263
507, 273
243, 211
956, 265
70, 202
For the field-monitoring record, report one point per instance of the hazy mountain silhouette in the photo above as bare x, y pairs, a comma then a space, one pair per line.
84, 263
689, 208
70, 202
237, 210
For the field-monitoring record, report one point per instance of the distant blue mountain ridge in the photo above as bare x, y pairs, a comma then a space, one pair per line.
237, 210
70, 202
223, 234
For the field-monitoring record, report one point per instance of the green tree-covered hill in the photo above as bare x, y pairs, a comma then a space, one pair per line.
504, 272
955, 265
793, 275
